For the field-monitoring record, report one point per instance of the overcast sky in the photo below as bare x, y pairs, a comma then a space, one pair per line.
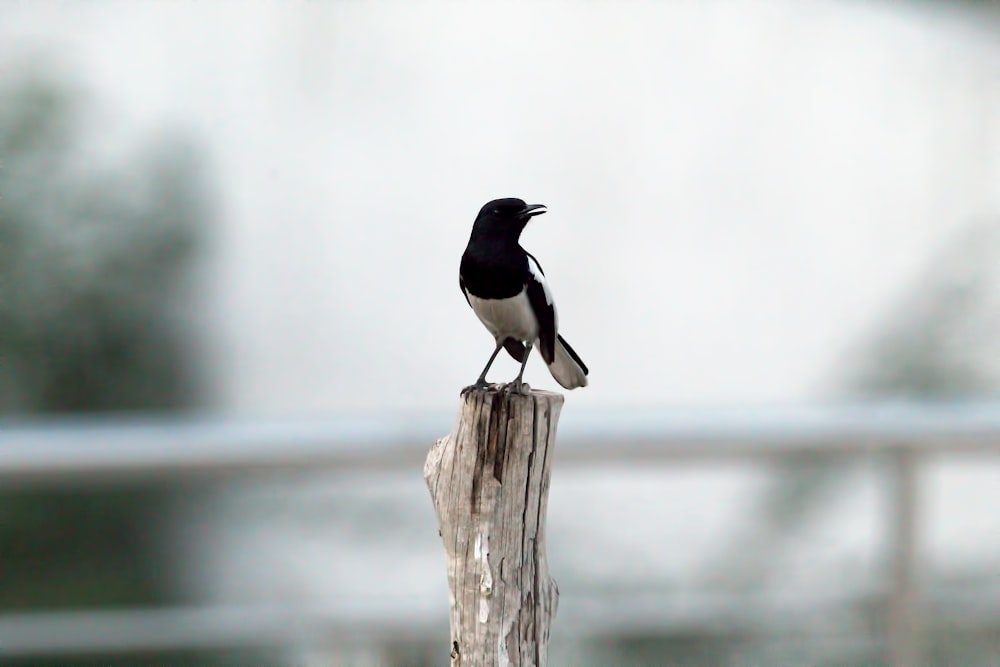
736, 189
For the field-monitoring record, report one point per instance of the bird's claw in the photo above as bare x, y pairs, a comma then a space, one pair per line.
509, 388
517, 387
480, 385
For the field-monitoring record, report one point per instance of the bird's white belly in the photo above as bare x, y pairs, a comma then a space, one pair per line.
507, 318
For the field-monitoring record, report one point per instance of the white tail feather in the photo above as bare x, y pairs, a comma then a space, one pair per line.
565, 369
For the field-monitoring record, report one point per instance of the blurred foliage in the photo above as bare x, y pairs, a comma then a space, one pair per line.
940, 342
255, 658
637, 649
943, 339
93, 254
90, 254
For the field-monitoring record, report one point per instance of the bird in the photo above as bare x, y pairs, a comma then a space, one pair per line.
506, 288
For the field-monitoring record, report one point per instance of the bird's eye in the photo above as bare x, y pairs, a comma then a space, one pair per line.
496, 211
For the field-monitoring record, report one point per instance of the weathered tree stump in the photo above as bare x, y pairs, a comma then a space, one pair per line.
489, 481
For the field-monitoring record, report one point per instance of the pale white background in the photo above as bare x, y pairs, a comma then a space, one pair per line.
737, 189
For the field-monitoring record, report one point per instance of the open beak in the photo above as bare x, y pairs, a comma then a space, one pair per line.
533, 210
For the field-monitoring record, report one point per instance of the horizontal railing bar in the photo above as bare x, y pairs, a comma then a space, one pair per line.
185, 628
105, 449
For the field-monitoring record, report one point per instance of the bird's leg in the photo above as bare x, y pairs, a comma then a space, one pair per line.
518, 386
481, 381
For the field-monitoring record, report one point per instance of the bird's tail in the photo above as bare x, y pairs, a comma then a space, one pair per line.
567, 367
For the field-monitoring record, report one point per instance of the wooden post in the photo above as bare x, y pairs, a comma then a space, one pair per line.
489, 481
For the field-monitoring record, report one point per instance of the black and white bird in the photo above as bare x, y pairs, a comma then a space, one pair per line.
506, 288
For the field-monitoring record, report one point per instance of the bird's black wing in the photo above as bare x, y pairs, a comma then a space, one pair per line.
544, 308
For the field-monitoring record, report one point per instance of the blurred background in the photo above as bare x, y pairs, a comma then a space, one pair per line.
229, 226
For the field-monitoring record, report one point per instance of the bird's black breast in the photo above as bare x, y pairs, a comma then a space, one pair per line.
494, 273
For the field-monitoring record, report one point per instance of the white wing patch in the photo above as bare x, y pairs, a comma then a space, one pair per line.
539, 277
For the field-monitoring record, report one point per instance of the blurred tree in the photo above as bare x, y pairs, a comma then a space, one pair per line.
940, 342
93, 253
90, 255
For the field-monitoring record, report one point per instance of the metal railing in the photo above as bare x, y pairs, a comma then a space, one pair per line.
99, 451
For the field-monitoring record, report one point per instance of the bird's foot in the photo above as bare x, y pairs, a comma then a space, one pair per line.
517, 387
480, 385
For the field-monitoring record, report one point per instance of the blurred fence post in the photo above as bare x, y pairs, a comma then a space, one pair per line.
489, 480
904, 646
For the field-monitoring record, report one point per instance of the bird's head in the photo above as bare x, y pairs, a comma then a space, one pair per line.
508, 214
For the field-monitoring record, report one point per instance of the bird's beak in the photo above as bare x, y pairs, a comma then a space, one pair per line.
533, 210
